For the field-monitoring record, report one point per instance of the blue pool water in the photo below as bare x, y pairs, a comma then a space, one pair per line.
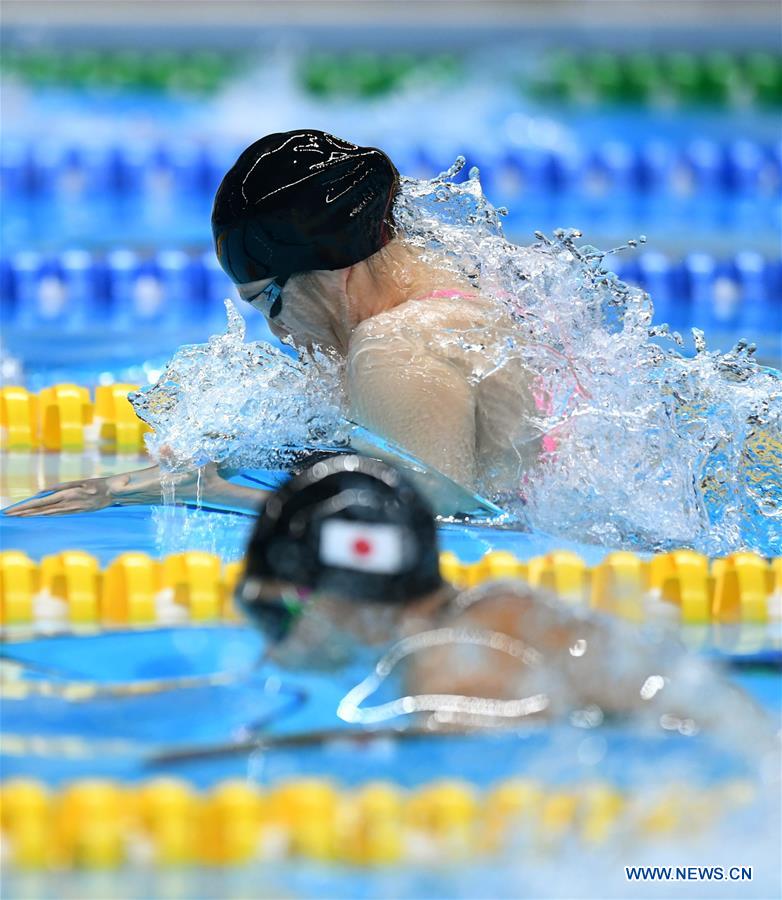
298, 703
109, 532
106, 269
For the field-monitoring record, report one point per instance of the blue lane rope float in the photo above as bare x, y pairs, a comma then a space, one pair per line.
79, 292
736, 168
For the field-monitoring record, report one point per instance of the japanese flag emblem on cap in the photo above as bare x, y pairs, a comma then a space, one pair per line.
361, 546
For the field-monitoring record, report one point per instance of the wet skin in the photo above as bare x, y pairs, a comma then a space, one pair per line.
507, 643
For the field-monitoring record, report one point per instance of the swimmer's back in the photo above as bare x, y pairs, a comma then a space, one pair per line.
420, 399
455, 350
534, 642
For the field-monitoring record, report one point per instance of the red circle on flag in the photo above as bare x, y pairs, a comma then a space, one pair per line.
361, 547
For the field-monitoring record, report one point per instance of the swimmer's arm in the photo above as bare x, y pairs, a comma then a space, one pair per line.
142, 486
419, 402
583, 661
548, 648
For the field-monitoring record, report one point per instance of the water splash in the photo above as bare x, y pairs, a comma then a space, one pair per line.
179, 529
241, 404
653, 449
647, 448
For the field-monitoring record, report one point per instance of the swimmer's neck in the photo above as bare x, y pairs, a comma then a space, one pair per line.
377, 284
390, 277
379, 624
325, 308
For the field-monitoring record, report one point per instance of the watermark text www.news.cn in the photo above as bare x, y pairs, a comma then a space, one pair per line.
688, 873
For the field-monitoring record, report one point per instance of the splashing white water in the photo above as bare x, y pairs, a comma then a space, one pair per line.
241, 404
646, 448
653, 449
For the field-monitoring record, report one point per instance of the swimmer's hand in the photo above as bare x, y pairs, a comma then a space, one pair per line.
140, 487
88, 495
71, 497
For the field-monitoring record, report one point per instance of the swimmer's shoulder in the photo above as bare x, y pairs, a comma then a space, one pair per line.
420, 315
515, 608
488, 647
491, 603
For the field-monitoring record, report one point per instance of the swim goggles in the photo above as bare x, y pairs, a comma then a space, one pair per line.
271, 296
274, 616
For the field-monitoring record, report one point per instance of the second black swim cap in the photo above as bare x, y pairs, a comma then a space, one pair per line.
349, 526
302, 200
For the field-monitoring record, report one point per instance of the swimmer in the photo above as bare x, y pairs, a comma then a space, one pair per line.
303, 224
344, 557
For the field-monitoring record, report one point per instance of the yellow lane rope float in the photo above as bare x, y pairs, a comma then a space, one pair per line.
682, 586
166, 822
66, 417
69, 590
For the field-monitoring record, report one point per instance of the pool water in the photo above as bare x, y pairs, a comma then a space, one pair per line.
160, 531
107, 269
294, 703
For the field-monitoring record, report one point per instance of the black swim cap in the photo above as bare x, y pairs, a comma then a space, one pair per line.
302, 200
349, 526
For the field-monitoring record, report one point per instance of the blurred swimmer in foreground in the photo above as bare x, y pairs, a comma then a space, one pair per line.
345, 557
303, 225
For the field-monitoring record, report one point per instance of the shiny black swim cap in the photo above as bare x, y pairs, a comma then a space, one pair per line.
349, 526
302, 200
